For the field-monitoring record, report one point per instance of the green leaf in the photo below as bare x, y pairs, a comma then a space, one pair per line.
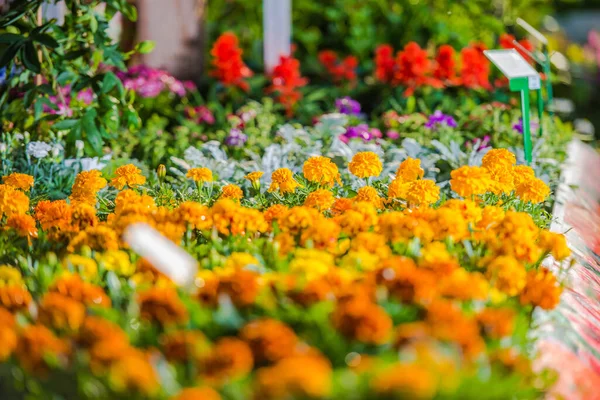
30, 58
90, 129
145, 47
109, 82
9, 38
65, 124
129, 11
46, 40
93, 24
9, 54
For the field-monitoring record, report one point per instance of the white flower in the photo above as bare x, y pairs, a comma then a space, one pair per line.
3, 147
18, 137
79, 144
38, 149
57, 149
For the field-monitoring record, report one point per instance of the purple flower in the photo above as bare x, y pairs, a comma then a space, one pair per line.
347, 105
392, 134
87, 96
440, 119
519, 126
361, 131
483, 143
200, 114
236, 138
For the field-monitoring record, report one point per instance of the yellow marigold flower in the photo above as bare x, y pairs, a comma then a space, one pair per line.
12, 201
241, 286
61, 312
85, 266
19, 181
35, 343
8, 335
365, 164
554, 243
10, 276
502, 180
360, 260
413, 379
507, 275
321, 170
534, 190
194, 214
469, 209
541, 289
198, 393
83, 215
410, 170
295, 377
497, 322
87, 185
371, 242
231, 191
297, 219
423, 191
360, 218
254, 178
99, 237
54, 214
498, 158
129, 175
84, 292
368, 194
323, 234
239, 260
468, 181
448, 223
463, 285
23, 225
283, 180
491, 216
275, 212
200, 174
321, 199
398, 189
522, 173
117, 261
396, 226
435, 256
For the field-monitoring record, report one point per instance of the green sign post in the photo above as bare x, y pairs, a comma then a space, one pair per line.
522, 77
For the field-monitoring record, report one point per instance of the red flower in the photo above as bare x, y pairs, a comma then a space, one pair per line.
507, 42
475, 68
286, 79
229, 68
445, 68
344, 70
384, 63
413, 68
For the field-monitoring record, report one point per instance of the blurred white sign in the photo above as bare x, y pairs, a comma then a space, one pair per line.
277, 31
513, 65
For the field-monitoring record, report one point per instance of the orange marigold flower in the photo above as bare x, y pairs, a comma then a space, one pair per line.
323, 234
269, 339
13, 293
184, 346
12, 201
194, 214
491, 216
303, 376
283, 180
497, 322
275, 212
254, 176
404, 281
229, 68
423, 192
365, 164
129, 175
87, 185
132, 372
534, 190
54, 215
368, 194
19, 181
200, 174
554, 243
359, 319
463, 285
341, 205
241, 286
361, 218
61, 312
83, 215
230, 358
97, 329
398, 189
74, 287
469, 181
507, 275
410, 170
470, 210
162, 305
498, 158
199, 393
23, 225
232, 191
541, 290
321, 170
522, 173
35, 343
8, 336
411, 380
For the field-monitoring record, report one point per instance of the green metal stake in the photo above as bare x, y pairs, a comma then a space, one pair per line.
521, 84
540, 107
547, 72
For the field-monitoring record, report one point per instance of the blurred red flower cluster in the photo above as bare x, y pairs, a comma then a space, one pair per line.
229, 68
285, 81
341, 70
